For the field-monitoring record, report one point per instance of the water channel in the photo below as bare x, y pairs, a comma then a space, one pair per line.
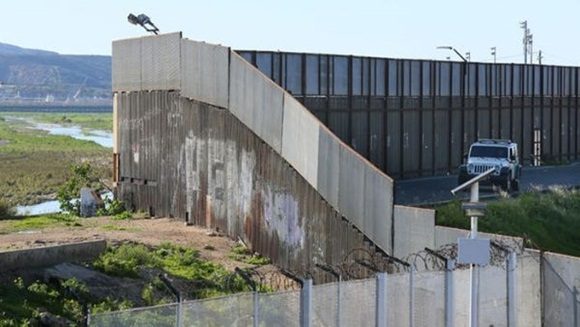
103, 138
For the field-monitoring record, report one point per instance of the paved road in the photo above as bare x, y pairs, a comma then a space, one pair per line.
437, 189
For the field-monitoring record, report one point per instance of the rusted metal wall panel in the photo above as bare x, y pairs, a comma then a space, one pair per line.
208, 166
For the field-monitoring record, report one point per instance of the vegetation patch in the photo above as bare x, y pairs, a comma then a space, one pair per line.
241, 253
99, 121
207, 278
39, 222
21, 304
550, 221
35, 164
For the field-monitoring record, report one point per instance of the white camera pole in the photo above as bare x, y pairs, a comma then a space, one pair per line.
474, 268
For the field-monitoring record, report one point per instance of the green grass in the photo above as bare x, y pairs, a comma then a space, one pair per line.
38, 222
243, 254
19, 302
100, 121
551, 221
34, 164
211, 279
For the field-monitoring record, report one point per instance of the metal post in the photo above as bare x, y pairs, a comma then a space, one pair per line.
474, 299
179, 314
576, 303
306, 303
511, 285
339, 294
256, 299
381, 300
449, 266
411, 295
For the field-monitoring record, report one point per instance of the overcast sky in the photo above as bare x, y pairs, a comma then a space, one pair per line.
385, 28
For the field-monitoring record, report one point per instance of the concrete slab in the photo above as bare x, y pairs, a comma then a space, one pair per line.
414, 230
205, 72
567, 267
328, 165
447, 235
378, 207
351, 188
160, 62
126, 64
256, 101
300, 139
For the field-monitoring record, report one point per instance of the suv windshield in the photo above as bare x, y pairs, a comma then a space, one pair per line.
489, 152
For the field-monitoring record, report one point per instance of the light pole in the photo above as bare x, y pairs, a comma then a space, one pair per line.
493, 53
447, 47
474, 250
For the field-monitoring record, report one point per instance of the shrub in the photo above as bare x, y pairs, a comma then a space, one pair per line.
81, 176
6, 211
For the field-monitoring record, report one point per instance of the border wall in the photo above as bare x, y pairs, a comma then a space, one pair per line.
418, 117
202, 135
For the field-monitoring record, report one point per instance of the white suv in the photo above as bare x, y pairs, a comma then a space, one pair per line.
499, 154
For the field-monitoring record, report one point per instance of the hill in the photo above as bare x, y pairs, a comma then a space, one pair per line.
38, 75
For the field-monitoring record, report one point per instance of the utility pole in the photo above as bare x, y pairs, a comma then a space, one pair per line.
468, 56
540, 57
493, 53
524, 26
531, 42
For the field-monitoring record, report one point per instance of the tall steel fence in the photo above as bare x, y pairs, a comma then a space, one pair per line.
418, 117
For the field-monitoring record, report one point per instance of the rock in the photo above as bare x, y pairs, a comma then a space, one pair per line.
90, 202
211, 233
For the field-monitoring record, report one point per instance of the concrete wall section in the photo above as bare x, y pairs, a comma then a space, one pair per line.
447, 235
205, 72
528, 289
351, 189
51, 255
126, 64
328, 166
256, 101
160, 62
300, 139
378, 207
567, 267
414, 230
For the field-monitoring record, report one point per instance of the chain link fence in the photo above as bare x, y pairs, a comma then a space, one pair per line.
406, 297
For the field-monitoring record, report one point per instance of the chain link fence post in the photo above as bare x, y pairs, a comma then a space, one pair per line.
449, 267
338, 304
511, 291
306, 303
411, 295
381, 303
576, 303
256, 308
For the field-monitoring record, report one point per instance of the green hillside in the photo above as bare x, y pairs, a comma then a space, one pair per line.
550, 221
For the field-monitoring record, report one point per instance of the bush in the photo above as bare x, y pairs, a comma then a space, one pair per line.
81, 176
6, 211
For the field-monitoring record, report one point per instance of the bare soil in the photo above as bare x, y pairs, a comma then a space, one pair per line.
212, 246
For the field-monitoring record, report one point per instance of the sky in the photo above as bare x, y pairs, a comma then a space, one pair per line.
381, 28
